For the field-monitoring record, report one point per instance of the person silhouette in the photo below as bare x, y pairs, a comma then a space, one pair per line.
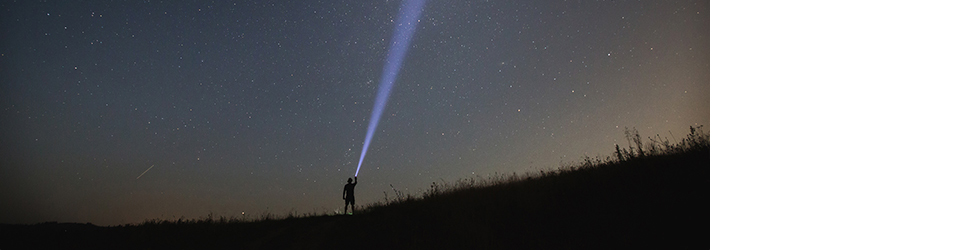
349, 194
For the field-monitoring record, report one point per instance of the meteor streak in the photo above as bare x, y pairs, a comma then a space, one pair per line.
404, 29
144, 172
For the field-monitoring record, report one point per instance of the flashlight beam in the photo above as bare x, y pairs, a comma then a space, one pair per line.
404, 29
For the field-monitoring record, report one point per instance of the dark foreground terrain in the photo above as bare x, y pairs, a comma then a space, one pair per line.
653, 202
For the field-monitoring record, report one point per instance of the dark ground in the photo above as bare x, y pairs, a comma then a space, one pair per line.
647, 203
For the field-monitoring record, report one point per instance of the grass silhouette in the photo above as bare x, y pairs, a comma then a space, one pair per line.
651, 193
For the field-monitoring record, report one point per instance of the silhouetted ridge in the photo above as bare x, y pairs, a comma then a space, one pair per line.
651, 195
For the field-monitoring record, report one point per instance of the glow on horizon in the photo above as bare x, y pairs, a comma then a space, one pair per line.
408, 18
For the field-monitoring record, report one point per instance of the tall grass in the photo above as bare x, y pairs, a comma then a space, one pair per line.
244, 218
636, 148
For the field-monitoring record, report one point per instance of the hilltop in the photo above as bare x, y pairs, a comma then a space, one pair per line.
657, 198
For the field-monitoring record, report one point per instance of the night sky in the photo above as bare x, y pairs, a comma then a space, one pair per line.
252, 107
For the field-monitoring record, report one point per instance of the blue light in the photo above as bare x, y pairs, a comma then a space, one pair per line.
404, 29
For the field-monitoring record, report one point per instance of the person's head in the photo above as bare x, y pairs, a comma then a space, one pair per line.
349, 180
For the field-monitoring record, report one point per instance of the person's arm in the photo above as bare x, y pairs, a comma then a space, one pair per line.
355, 180
345, 193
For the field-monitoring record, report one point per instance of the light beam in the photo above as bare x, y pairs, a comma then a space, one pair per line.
408, 18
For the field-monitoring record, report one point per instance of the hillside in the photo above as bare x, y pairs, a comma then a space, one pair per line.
641, 202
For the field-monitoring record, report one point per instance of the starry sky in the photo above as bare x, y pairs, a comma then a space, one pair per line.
252, 107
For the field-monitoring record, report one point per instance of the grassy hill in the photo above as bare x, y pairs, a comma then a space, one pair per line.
645, 200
